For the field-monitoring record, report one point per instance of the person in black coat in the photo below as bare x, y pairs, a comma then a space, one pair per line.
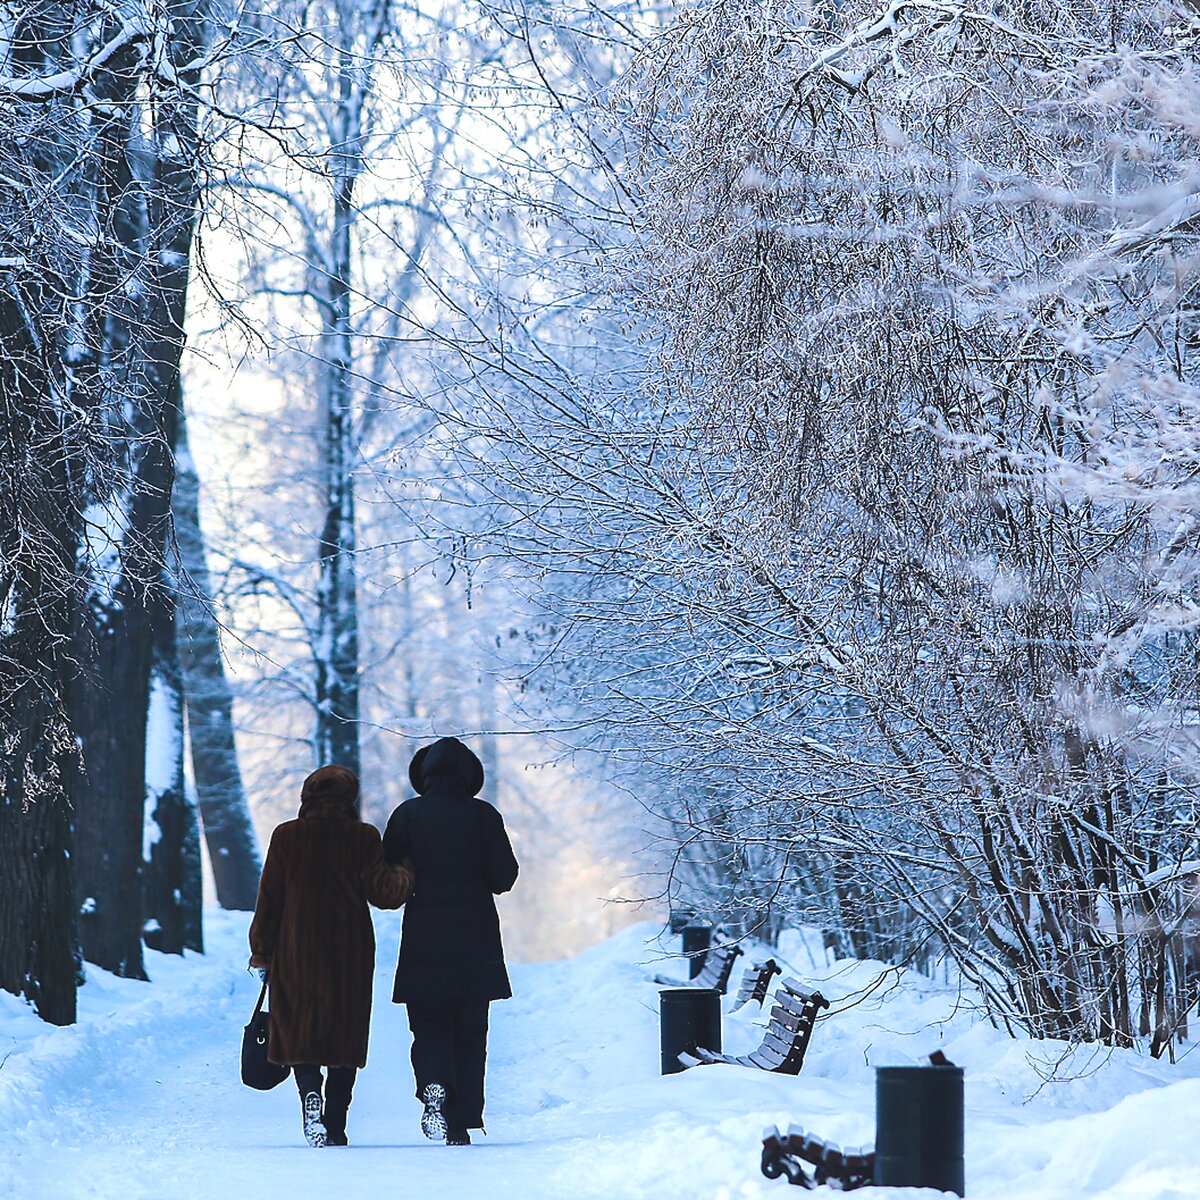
451, 957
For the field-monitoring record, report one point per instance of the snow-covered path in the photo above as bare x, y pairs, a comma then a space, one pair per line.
141, 1099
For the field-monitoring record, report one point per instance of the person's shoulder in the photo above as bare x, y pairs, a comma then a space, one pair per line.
284, 834
367, 831
403, 810
487, 810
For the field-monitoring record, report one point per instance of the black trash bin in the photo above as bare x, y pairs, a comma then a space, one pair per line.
688, 1017
696, 941
679, 919
919, 1128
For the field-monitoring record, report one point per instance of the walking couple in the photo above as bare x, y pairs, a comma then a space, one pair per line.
445, 853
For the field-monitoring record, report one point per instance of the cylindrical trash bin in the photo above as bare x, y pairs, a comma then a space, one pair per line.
919, 1128
696, 941
688, 1017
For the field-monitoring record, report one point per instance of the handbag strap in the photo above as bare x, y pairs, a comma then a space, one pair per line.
262, 995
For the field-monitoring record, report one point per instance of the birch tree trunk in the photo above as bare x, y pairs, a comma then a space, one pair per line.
489, 747
336, 651
228, 829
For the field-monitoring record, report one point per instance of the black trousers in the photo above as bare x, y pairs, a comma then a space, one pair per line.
450, 1047
339, 1088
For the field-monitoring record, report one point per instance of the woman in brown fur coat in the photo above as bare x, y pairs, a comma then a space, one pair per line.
312, 933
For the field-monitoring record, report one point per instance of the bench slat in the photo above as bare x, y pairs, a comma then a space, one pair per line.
765, 1061
718, 964
795, 1001
783, 1064
796, 988
789, 1021
780, 1013
781, 1045
715, 972
794, 1004
756, 982
816, 1002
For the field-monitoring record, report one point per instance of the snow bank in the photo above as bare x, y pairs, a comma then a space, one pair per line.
142, 1099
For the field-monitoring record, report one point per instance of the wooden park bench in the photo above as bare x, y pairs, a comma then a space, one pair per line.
718, 963
785, 1042
755, 983
847, 1169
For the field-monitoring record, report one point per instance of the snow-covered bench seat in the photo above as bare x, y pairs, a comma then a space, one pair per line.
755, 983
786, 1039
718, 963
782, 1155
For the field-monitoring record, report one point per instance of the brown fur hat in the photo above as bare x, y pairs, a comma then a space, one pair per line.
330, 785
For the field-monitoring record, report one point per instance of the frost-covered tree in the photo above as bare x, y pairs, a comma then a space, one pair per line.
102, 151
41, 451
821, 296
208, 700
137, 189
331, 226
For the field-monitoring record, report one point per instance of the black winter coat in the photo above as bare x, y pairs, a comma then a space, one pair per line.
460, 854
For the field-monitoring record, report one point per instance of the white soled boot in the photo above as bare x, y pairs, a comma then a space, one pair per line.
310, 1108
433, 1120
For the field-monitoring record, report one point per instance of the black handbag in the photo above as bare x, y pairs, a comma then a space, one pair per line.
258, 1071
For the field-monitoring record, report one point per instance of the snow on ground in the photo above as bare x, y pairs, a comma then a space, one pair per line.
142, 1098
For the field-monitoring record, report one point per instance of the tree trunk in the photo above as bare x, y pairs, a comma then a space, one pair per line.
37, 901
152, 219
228, 830
39, 611
336, 651
110, 718
173, 893
489, 746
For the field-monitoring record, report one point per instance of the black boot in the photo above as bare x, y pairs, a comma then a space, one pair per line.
338, 1089
457, 1137
334, 1121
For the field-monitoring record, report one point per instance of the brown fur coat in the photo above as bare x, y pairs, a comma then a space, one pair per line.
312, 928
